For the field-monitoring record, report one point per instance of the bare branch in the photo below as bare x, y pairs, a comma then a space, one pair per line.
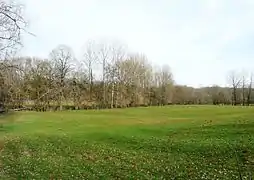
12, 24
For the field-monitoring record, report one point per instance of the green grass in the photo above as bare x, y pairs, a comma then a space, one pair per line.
174, 142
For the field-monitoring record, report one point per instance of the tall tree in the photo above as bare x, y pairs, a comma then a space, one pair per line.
62, 58
117, 55
103, 58
90, 59
12, 25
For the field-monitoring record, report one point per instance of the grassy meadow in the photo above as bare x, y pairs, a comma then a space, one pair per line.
173, 142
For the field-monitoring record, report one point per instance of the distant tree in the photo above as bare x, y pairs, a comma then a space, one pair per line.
117, 55
249, 92
166, 84
235, 82
90, 58
243, 90
103, 58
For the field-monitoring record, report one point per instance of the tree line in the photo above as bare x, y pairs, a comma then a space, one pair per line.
106, 76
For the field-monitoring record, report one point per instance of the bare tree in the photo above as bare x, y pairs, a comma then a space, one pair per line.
103, 57
90, 58
249, 93
62, 58
117, 55
131, 79
12, 24
235, 82
166, 85
243, 90
164, 82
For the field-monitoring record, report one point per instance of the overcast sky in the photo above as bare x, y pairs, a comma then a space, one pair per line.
201, 40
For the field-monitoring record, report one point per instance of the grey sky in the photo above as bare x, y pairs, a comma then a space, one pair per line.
201, 40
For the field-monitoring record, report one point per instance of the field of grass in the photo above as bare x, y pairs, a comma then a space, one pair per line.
174, 142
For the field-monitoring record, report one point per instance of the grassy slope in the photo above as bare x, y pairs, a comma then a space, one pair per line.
158, 142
